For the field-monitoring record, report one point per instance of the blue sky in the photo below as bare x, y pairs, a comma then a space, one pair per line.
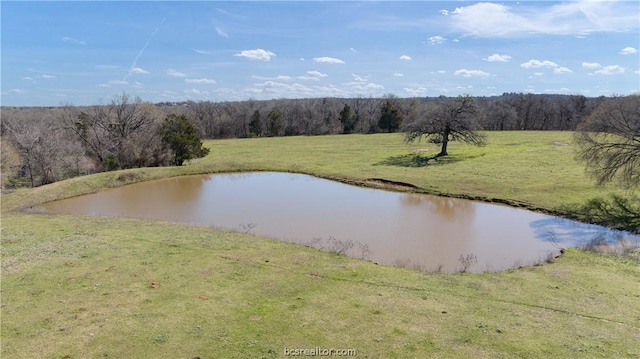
87, 52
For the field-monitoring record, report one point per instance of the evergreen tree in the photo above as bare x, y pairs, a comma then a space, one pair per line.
181, 137
255, 126
276, 123
348, 119
390, 118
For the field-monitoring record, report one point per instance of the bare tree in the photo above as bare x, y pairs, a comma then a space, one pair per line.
609, 141
46, 154
119, 135
372, 108
500, 116
448, 120
358, 109
9, 162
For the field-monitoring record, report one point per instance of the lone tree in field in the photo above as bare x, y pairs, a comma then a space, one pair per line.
609, 141
181, 137
448, 120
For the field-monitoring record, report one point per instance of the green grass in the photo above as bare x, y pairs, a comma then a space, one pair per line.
81, 287
533, 169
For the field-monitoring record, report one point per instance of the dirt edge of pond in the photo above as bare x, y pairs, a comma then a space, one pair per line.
390, 185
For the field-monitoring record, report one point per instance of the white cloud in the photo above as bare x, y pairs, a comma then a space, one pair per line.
222, 33
397, 74
257, 54
352, 49
591, 65
444, 12
561, 70
362, 84
498, 58
174, 73
555, 91
74, 41
137, 84
137, 70
628, 51
405, 57
442, 72
470, 73
367, 87
316, 74
203, 81
201, 52
359, 78
47, 76
117, 82
537, 63
486, 19
108, 67
435, 40
196, 92
610, 70
414, 92
279, 77
328, 60
19, 91
274, 89
539, 74
27, 78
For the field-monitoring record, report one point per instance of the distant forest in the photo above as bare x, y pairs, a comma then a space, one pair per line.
45, 144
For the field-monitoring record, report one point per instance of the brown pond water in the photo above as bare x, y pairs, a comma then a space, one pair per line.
413, 230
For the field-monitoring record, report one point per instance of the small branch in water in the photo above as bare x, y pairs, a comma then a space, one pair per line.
246, 228
467, 261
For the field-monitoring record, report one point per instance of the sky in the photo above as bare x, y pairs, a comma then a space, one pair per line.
85, 53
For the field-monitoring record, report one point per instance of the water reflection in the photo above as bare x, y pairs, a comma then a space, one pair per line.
445, 207
416, 230
567, 233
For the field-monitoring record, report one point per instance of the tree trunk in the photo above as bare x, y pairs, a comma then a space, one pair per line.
445, 142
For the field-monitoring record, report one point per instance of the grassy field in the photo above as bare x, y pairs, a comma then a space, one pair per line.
86, 287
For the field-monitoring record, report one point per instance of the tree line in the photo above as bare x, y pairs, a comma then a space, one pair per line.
43, 145
321, 116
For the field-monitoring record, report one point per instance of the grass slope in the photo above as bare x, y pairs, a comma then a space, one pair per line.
85, 287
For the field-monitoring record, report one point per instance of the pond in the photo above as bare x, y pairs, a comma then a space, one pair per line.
412, 230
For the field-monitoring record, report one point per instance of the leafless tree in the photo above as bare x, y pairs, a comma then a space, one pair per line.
122, 134
9, 162
46, 153
372, 110
448, 120
500, 115
609, 141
